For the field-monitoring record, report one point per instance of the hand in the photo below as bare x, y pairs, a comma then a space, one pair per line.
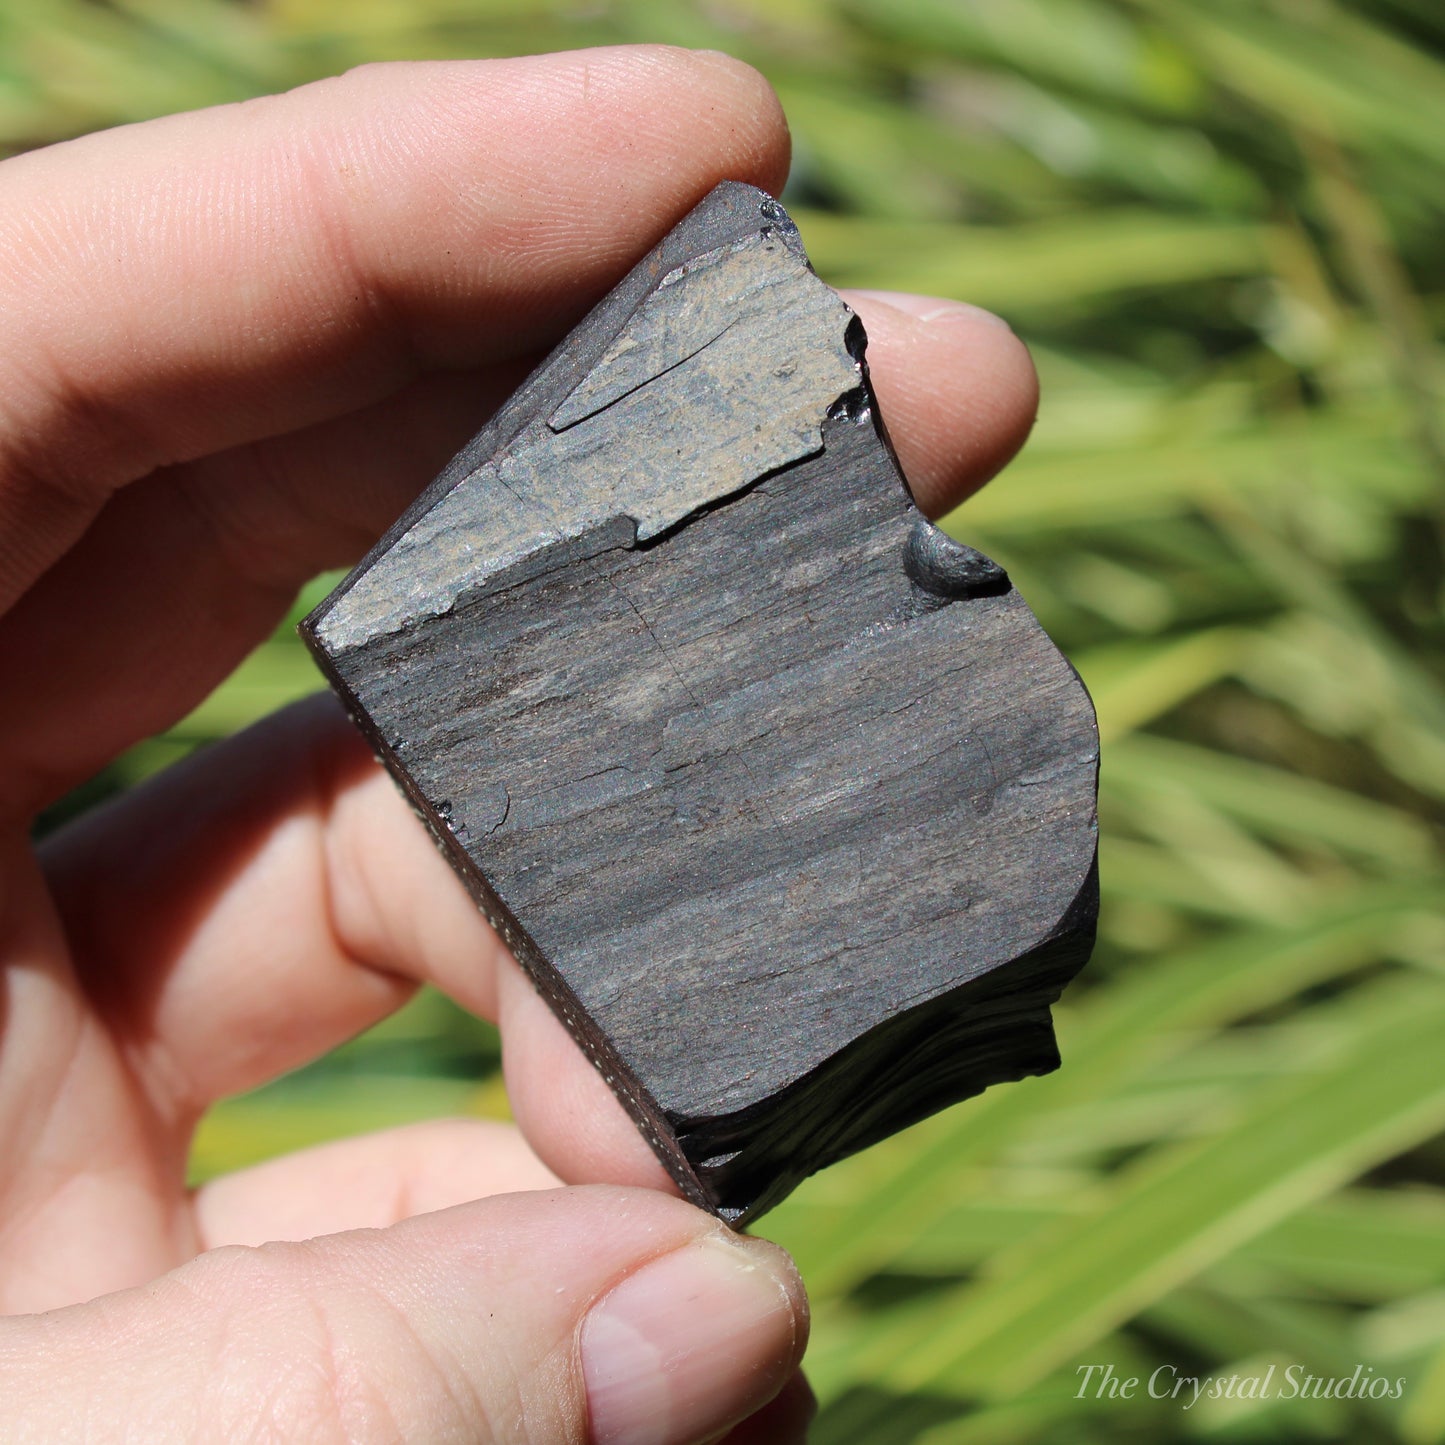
236, 344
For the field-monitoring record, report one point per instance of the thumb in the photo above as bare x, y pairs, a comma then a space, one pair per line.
571, 1315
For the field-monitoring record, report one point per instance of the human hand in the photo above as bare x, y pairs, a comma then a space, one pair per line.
237, 343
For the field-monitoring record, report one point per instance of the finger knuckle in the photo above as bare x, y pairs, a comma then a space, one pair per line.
310, 1353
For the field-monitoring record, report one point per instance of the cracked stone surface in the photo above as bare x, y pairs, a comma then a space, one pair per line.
726, 371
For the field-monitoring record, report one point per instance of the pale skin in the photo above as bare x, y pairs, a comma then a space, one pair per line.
235, 345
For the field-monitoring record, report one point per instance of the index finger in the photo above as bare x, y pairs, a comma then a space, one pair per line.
352, 233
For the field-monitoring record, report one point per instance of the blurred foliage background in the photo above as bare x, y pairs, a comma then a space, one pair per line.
1219, 225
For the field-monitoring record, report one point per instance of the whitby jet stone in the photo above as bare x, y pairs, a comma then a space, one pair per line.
781, 796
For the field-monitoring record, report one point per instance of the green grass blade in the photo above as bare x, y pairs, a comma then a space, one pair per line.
1176, 1213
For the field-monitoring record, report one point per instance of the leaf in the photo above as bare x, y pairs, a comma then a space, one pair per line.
1183, 1208
1031, 267
1134, 683
901, 1190
1278, 803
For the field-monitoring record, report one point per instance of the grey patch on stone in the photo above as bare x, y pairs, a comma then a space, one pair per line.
709, 386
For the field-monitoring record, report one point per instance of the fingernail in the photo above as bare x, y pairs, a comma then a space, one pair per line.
933, 308
692, 1343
